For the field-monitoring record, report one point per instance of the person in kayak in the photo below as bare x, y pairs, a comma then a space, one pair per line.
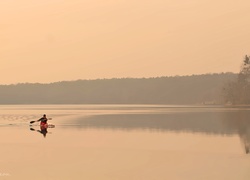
43, 120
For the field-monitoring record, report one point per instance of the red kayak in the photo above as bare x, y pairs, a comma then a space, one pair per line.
45, 126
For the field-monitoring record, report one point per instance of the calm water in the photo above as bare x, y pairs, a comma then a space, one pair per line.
121, 142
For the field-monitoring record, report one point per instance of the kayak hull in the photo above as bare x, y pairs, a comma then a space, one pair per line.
47, 126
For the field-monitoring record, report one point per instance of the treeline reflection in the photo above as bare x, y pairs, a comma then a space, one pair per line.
216, 123
203, 122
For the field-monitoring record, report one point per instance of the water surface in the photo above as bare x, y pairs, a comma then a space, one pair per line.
125, 142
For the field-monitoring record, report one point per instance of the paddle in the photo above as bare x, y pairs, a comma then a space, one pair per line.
31, 122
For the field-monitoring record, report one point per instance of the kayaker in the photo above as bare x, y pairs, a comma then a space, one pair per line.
43, 120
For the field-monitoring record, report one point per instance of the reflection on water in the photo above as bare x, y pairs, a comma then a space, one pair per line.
240, 122
179, 122
217, 123
42, 130
125, 142
162, 118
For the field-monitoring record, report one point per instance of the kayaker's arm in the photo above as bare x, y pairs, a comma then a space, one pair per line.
31, 122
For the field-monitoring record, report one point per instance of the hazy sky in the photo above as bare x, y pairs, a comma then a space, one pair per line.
55, 40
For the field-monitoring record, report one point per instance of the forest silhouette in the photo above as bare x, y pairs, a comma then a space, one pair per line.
194, 89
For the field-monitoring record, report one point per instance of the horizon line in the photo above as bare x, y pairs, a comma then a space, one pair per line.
60, 81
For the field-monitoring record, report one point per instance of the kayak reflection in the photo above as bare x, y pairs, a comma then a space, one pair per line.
43, 130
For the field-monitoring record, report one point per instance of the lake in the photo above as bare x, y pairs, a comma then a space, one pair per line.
121, 142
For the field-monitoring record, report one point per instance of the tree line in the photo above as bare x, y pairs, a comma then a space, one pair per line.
160, 90
237, 92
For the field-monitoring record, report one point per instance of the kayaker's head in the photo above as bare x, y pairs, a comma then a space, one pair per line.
44, 115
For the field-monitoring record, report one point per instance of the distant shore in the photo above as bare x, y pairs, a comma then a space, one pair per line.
194, 89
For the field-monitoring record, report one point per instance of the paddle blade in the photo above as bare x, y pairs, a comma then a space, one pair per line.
31, 122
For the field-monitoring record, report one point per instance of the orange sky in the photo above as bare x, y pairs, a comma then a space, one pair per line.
55, 40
